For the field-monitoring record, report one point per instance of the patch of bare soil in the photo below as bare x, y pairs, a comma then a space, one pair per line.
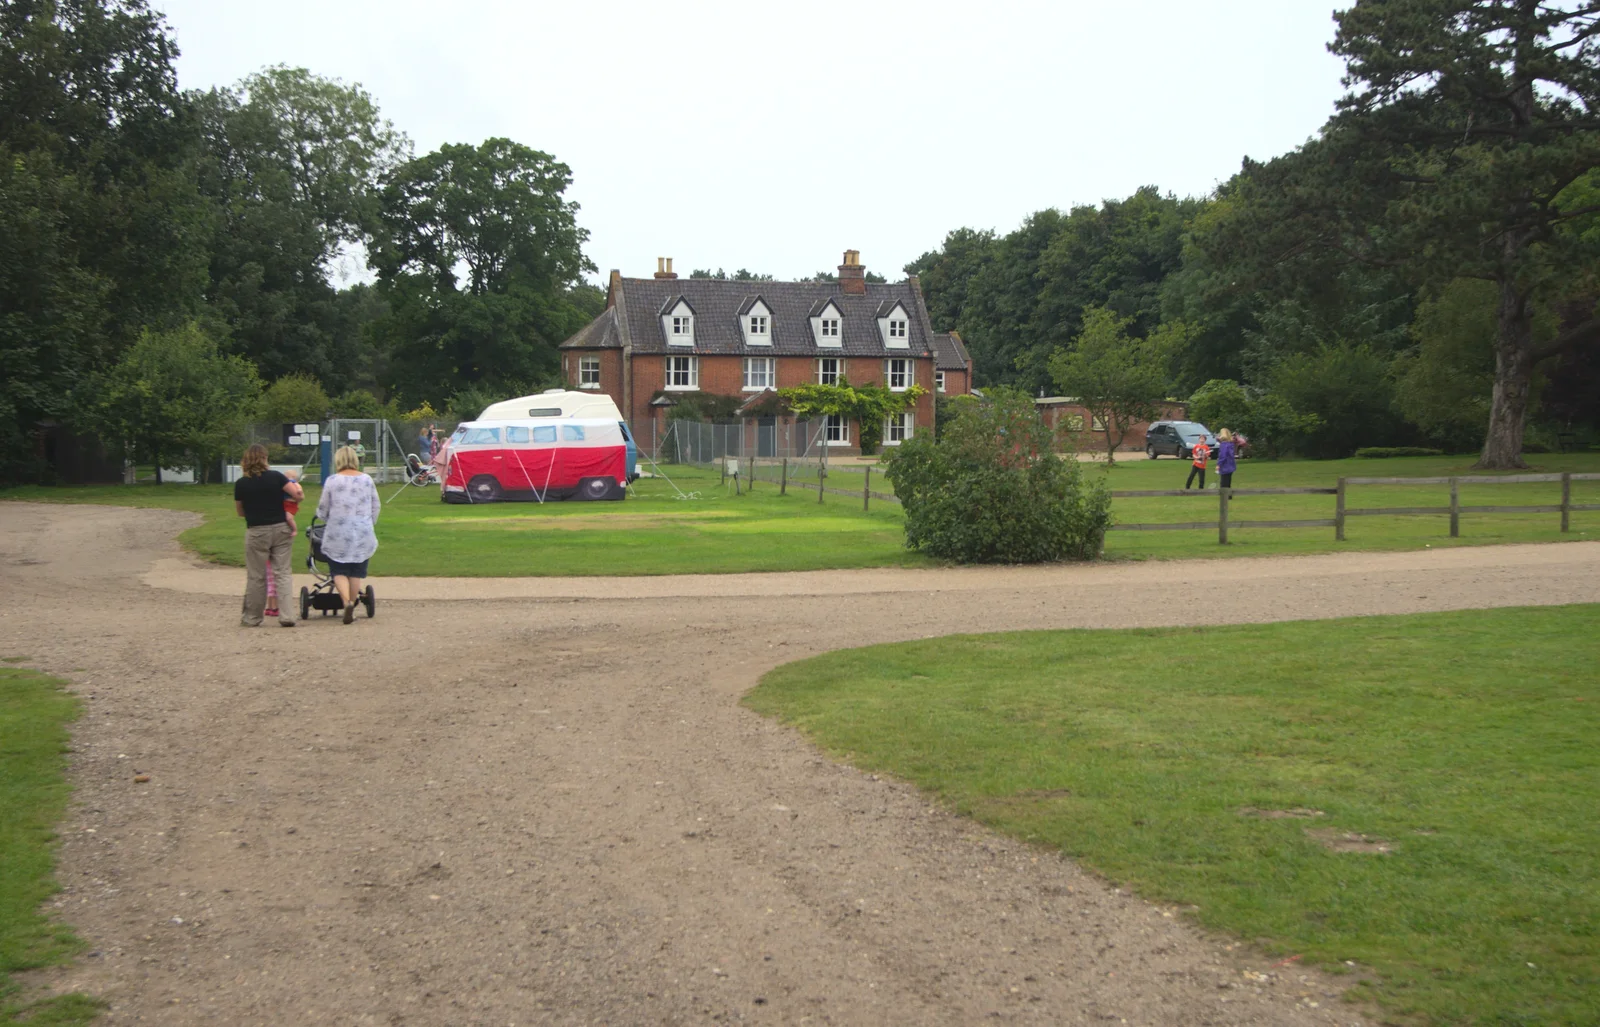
552, 810
1298, 813
1348, 841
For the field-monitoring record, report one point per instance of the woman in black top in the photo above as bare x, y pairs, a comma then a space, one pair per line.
258, 497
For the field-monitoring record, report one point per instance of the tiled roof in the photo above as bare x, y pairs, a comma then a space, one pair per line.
601, 333
950, 353
717, 305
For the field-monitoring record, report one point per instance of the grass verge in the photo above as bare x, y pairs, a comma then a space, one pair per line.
34, 713
656, 532
1223, 767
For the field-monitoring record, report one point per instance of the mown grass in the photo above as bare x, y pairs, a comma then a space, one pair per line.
1466, 741
651, 532
718, 531
34, 713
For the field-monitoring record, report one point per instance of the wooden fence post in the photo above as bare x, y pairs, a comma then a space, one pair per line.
783, 478
866, 490
1455, 509
1222, 517
1566, 501
822, 474
1338, 514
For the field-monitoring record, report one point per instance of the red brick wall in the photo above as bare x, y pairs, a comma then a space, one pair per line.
956, 383
610, 371
1058, 415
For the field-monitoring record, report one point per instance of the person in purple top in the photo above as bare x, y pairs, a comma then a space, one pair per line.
1227, 457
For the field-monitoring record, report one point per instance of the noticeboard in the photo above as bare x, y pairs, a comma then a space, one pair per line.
308, 434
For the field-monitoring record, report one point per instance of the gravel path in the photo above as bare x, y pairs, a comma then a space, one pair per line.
552, 810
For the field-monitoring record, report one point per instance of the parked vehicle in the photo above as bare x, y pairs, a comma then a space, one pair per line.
536, 458
566, 403
1177, 438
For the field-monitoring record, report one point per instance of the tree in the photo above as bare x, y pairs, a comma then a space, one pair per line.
100, 225
1471, 133
868, 405
1348, 389
1119, 379
292, 163
741, 275
832, 276
497, 213
1266, 419
294, 398
174, 398
993, 490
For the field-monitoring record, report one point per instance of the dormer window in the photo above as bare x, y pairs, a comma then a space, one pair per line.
677, 322
755, 322
827, 325
894, 325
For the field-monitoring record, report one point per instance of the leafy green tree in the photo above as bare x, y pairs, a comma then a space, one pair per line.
1348, 389
741, 275
174, 398
495, 212
1465, 149
832, 276
993, 489
1120, 379
868, 405
100, 224
293, 398
292, 162
1266, 419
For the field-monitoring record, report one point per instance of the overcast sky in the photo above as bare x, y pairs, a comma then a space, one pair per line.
773, 136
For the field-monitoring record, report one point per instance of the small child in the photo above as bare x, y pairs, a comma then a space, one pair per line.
291, 506
1201, 454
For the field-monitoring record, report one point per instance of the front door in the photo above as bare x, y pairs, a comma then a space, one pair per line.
766, 436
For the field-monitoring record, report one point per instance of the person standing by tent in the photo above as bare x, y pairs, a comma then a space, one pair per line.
1227, 457
350, 508
1200, 453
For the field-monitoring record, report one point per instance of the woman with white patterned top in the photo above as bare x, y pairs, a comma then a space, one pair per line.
349, 507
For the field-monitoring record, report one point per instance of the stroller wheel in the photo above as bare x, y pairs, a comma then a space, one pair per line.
369, 599
305, 602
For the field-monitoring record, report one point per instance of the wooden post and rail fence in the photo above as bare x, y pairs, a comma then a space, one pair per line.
1341, 510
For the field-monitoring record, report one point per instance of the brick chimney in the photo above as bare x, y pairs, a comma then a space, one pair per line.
852, 276
664, 268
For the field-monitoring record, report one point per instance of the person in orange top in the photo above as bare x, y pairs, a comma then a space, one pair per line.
1201, 453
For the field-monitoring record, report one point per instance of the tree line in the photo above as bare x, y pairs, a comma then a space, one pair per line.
1423, 271
169, 255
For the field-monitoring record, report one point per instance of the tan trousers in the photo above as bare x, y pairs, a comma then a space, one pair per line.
264, 546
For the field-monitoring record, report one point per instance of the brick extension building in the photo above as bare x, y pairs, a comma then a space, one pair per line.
663, 336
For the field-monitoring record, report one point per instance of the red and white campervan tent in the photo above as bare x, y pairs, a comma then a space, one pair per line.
535, 458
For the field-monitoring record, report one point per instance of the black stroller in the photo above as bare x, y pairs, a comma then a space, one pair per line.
419, 473
323, 596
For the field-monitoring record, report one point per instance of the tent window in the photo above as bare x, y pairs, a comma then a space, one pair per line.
515, 434
545, 434
571, 433
481, 437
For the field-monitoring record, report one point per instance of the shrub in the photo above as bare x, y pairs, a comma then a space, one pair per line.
294, 398
992, 489
1383, 452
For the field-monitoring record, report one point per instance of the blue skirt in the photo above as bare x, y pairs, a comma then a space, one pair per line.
347, 570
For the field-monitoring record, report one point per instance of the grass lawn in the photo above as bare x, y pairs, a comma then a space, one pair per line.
34, 712
651, 532
654, 532
1465, 742
1369, 533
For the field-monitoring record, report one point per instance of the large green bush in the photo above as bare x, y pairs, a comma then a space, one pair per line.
993, 490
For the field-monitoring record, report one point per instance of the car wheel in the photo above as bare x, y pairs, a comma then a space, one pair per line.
1185, 454
485, 488
595, 488
1150, 451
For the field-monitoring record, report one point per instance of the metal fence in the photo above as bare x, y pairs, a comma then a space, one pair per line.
787, 455
383, 445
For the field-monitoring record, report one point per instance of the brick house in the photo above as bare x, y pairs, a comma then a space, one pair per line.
663, 336
1073, 420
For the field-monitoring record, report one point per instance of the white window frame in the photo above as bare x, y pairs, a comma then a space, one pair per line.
829, 327
693, 369
835, 430
767, 378
838, 370
586, 366
908, 374
938, 381
897, 328
759, 325
904, 428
